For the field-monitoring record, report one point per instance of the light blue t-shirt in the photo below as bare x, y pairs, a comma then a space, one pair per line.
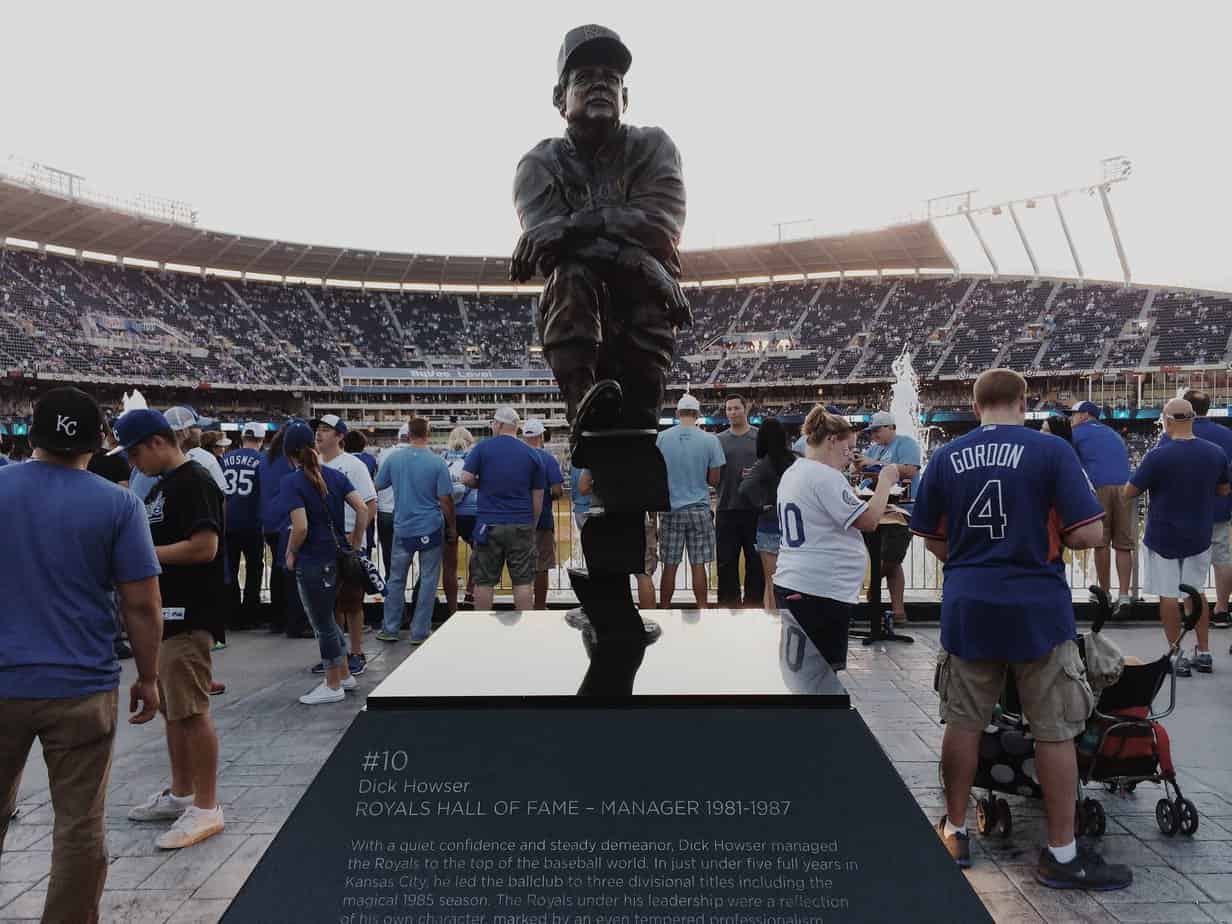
800, 446
902, 450
690, 453
581, 502
551, 471
420, 478
77, 536
141, 484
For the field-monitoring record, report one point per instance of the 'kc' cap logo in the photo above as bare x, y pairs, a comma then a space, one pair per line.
66, 425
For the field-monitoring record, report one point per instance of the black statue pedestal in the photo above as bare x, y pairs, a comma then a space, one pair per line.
520, 769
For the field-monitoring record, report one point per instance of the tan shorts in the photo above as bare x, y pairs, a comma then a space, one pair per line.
1055, 695
651, 564
545, 550
1221, 544
1119, 526
185, 671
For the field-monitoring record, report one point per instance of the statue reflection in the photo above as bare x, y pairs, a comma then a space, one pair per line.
615, 656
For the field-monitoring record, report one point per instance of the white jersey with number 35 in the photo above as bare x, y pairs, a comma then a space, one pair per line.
820, 551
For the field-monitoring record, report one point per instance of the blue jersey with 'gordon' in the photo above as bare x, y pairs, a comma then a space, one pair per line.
1002, 497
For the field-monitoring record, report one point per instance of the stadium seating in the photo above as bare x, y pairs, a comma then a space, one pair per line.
74, 317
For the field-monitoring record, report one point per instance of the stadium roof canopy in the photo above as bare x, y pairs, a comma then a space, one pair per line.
34, 211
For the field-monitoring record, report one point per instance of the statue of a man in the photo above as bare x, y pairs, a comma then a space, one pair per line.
602, 211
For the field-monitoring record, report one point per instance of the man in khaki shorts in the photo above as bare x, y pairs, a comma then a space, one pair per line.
511, 479
1105, 459
185, 513
984, 507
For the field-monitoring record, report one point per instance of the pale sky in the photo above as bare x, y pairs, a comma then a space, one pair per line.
398, 125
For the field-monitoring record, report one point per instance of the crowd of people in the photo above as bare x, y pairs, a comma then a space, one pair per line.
155, 546
263, 333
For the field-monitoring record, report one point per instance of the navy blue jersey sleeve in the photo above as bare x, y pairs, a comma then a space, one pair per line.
1144, 477
1073, 496
928, 515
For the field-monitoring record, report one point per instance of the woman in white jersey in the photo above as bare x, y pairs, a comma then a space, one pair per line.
822, 557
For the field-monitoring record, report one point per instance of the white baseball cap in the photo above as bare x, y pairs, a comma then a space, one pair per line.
506, 415
404, 431
182, 418
881, 419
254, 430
533, 428
688, 403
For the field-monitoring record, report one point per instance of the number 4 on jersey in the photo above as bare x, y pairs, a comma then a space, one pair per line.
987, 511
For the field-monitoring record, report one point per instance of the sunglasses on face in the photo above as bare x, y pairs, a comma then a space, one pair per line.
1179, 416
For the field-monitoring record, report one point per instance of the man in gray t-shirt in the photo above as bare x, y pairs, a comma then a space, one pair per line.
735, 519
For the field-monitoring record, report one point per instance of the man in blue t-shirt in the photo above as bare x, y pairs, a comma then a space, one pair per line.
695, 461
241, 470
82, 539
1221, 536
1185, 476
511, 481
1105, 458
887, 447
996, 506
423, 522
545, 530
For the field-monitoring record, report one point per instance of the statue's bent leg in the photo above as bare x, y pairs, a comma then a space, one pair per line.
570, 329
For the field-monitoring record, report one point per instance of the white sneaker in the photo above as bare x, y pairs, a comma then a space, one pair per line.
160, 807
195, 825
322, 694
349, 682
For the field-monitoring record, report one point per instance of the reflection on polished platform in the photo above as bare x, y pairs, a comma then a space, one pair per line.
539, 658
520, 769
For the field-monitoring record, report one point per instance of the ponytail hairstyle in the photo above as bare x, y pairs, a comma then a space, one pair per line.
820, 423
311, 464
275, 446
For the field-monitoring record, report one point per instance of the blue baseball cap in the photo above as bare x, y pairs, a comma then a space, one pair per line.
137, 425
1086, 407
298, 435
333, 421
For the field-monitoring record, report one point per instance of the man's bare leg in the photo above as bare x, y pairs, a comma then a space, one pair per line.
701, 588
667, 585
960, 758
1103, 566
1057, 766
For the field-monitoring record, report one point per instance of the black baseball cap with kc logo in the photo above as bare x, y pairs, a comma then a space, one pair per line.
67, 420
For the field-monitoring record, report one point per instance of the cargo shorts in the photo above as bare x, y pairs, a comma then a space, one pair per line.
1056, 698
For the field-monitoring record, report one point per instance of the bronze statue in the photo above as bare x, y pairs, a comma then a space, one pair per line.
602, 211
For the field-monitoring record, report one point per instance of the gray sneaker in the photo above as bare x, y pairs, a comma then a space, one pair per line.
1202, 662
1180, 666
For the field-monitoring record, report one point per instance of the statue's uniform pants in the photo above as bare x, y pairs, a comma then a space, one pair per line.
597, 326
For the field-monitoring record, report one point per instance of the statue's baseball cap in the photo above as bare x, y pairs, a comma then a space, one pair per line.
67, 420
598, 41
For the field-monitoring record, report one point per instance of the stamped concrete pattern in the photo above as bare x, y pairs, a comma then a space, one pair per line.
272, 748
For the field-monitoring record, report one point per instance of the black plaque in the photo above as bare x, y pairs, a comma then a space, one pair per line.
663, 807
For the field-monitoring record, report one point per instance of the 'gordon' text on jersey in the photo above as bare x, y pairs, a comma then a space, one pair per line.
984, 455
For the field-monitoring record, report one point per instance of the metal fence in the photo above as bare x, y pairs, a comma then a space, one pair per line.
922, 572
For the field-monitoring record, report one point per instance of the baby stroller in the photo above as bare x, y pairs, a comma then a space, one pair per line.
1123, 744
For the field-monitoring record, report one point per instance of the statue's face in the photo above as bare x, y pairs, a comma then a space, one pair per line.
594, 92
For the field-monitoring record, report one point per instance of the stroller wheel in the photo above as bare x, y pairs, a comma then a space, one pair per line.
986, 816
1187, 816
1005, 818
1166, 817
1094, 821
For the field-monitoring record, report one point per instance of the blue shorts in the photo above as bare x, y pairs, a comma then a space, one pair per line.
767, 541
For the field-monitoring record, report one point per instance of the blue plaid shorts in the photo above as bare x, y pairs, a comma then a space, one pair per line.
690, 529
